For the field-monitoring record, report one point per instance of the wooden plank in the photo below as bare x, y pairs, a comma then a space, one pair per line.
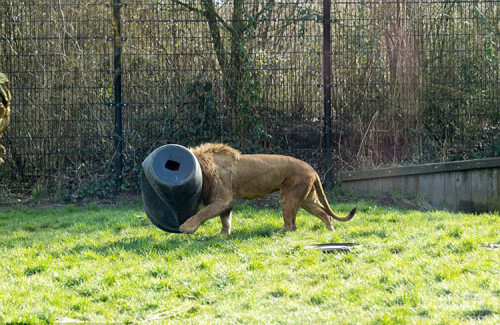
376, 186
388, 184
420, 169
360, 186
463, 186
438, 190
493, 189
480, 190
426, 186
474, 190
411, 184
450, 194
495, 195
353, 186
396, 184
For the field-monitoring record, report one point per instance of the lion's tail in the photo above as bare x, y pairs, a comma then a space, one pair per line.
324, 201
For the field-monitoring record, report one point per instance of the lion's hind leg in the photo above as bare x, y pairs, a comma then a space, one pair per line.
289, 210
312, 205
291, 200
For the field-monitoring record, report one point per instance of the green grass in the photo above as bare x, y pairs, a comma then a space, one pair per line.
110, 264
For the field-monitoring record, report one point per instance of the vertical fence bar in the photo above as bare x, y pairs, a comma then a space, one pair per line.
117, 51
327, 90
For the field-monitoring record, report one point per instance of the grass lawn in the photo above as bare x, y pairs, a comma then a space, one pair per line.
110, 264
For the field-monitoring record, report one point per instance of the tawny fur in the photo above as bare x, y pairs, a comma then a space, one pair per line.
205, 156
229, 175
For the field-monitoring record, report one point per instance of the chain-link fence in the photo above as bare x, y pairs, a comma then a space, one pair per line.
97, 85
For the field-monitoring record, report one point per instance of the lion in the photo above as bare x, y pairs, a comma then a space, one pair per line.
229, 175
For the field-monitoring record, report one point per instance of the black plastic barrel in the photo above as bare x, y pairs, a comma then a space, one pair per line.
171, 186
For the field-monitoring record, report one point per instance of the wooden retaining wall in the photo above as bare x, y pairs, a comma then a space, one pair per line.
471, 186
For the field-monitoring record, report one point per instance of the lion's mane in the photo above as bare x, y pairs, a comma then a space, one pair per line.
205, 155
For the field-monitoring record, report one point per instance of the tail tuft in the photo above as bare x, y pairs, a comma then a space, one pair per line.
350, 215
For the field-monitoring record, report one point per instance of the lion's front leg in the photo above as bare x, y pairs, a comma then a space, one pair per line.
225, 218
210, 211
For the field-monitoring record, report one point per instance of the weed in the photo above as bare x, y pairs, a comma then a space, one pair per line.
39, 192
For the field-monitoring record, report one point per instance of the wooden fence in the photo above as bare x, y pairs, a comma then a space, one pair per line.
471, 186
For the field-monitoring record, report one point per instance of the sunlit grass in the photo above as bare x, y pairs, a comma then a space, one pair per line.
103, 264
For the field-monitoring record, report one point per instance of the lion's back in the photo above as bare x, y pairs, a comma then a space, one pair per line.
211, 149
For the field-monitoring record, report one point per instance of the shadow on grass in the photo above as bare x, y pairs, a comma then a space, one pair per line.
176, 243
478, 314
259, 231
94, 224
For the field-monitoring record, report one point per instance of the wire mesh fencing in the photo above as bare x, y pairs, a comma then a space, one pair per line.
417, 81
97, 85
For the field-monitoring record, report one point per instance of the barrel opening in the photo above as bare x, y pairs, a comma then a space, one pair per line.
172, 165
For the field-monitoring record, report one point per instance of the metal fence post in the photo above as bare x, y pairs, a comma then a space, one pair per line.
327, 90
117, 51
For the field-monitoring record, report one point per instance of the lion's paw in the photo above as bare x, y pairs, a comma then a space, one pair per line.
189, 226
